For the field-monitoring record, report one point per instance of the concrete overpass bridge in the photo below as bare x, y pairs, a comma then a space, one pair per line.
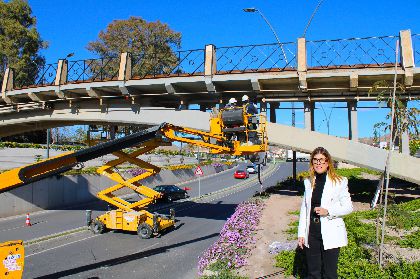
126, 90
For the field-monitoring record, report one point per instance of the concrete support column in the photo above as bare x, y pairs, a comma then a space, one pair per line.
112, 132
7, 85
263, 106
273, 107
405, 139
210, 60
61, 77
210, 67
61, 74
302, 64
309, 108
124, 72
407, 56
352, 118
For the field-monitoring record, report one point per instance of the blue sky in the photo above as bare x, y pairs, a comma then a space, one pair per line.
68, 26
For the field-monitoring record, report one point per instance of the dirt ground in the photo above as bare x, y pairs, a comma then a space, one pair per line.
274, 221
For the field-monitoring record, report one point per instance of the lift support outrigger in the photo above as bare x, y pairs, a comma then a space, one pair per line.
232, 131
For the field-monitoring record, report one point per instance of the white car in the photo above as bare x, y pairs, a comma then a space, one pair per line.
251, 169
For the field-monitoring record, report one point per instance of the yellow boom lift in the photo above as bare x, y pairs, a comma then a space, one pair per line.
232, 131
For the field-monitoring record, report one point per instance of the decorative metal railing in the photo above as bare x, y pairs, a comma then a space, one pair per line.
179, 63
35, 76
323, 54
101, 69
256, 58
416, 48
352, 53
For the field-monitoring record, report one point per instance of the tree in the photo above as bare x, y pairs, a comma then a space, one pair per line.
405, 119
151, 44
20, 42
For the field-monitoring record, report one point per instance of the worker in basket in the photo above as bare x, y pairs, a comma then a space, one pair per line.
252, 110
232, 103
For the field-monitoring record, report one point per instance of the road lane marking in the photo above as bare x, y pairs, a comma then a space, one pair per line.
59, 246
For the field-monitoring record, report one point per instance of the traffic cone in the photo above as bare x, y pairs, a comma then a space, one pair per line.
28, 220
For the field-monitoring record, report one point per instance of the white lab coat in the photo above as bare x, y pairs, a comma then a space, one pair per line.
336, 199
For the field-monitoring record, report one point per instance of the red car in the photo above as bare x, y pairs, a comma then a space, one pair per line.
243, 174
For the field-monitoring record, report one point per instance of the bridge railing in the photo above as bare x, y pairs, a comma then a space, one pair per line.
101, 69
322, 54
179, 63
352, 53
34, 76
256, 58
416, 48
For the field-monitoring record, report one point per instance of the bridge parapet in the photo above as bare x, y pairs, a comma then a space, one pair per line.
350, 53
300, 71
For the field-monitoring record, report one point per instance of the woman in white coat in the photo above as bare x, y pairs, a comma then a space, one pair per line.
321, 230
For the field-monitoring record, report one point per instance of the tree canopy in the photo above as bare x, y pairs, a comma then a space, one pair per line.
20, 41
152, 44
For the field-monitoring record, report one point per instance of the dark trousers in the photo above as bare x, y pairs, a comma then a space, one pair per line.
321, 263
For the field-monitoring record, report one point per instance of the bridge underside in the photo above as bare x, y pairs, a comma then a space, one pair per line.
90, 113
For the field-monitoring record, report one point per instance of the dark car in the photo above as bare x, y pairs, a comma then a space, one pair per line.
241, 174
171, 192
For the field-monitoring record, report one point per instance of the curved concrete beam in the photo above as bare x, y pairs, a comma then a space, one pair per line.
359, 154
63, 115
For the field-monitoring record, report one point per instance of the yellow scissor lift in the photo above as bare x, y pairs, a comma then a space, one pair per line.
230, 133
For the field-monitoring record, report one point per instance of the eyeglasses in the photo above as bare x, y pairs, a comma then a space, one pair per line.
319, 161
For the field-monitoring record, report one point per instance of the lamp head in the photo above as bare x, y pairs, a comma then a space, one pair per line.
250, 10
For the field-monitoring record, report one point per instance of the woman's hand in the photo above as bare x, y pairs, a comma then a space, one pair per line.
301, 242
321, 211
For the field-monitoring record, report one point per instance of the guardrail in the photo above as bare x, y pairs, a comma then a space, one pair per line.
416, 48
352, 53
101, 69
256, 58
34, 76
178, 63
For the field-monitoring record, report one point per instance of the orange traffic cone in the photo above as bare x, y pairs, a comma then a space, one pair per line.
28, 220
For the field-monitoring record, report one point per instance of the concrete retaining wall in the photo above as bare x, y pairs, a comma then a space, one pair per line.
58, 192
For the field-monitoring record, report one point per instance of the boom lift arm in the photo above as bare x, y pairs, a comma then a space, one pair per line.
231, 132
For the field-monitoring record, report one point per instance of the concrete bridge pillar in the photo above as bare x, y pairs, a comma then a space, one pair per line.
309, 108
112, 132
7, 85
273, 107
263, 106
352, 118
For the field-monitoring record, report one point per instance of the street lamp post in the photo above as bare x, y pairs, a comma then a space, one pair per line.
253, 10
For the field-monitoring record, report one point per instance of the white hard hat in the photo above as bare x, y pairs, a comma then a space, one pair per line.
245, 98
232, 100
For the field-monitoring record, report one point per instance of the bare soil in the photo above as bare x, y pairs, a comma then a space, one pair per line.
274, 221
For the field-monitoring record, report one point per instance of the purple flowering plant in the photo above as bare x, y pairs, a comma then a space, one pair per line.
136, 172
236, 238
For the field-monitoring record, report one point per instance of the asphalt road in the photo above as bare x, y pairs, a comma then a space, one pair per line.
125, 255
